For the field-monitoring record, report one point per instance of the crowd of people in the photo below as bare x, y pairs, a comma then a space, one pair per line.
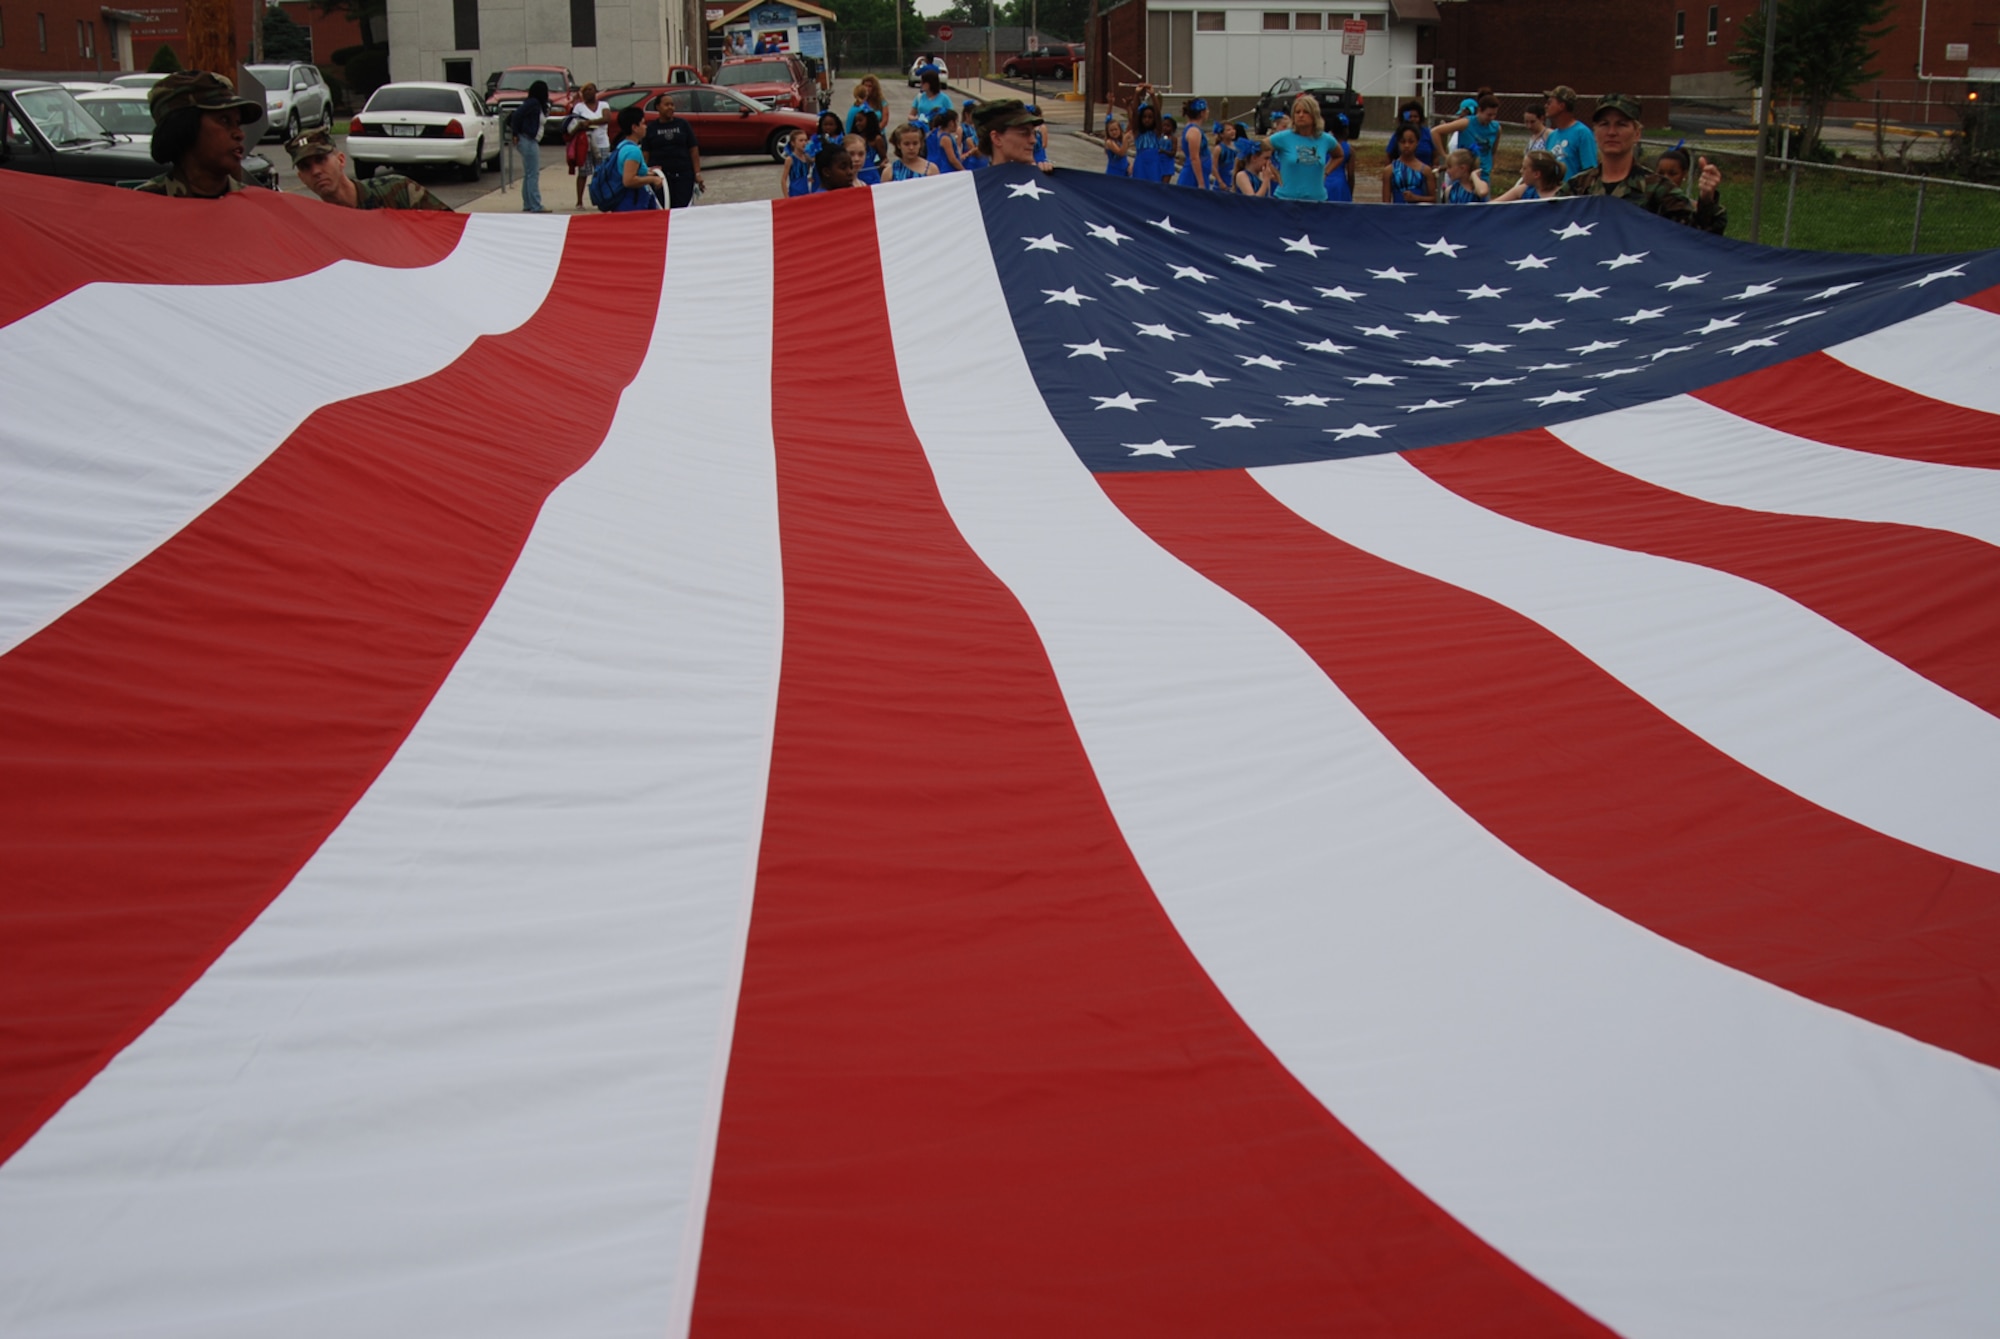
1451, 163
200, 121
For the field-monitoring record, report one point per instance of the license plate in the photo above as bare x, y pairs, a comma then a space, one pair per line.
404, 130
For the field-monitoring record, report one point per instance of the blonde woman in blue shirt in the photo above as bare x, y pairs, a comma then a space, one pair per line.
1304, 154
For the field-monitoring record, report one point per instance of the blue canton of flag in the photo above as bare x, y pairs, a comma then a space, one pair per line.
1167, 327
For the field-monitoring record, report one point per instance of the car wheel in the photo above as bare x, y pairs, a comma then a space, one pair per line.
471, 170
292, 126
1012, 71
326, 115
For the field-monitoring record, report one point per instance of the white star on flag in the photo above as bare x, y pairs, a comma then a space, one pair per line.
1159, 331
1166, 224
1263, 360
1683, 281
1483, 291
1095, 349
1034, 190
1430, 317
1484, 347
1530, 262
1250, 262
1134, 283
1325, 346
1537, 323
1833, 292
1375, 379
1596, 346
1157, 447
1794, 320
1316, 401
1762, 342
1644, 314
1492, 381
1560, 397
1678, 348
1752, 291
1573, 230
1190, 272
1548, 367
1359, 430
1230, 319
1716, 323
1428, 404
1442, 248
1580, 294
1198, 378
1069, 296
1122, 400
1400, 276
1433, 361
1620, 261
1955, 272
1303, 242
1046, 242
1234, 421
1380, 331
1285, 305
1615, 372
1340, 293
1104, 232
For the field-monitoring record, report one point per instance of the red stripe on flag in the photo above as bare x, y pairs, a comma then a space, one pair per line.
58, 236
1591, 782
978, 1084
1987, 300
1925, 597
173, 749
1821, 398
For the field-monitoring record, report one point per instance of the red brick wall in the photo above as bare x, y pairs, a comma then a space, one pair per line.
1120, 37
20, 50
1525, 46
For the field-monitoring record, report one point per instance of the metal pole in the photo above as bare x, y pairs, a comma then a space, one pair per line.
1791, 197
1090, 45
1764, 115
1918, 230
1034, 40
900, 67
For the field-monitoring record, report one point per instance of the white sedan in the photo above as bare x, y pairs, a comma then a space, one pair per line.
423, 125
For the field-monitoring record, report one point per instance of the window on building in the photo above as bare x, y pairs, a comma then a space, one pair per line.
1277, 23
1714, 23
42, 31
465, 24
458, 71
1376, 23
1680, 28
1306, 23
85, 32
583, 22
3, 30
1208, 21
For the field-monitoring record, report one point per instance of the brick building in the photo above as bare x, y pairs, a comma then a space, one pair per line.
1933, 49
85, 36
1522, 47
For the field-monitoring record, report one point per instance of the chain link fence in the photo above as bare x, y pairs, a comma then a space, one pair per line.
1834, 207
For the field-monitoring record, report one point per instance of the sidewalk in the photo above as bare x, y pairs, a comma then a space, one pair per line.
558, 188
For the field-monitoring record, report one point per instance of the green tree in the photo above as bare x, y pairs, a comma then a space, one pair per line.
284, 40
1825, 50
164, 61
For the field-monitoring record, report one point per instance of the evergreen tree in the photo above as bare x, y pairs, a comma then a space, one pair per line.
285, 40
1825, 51
164, 61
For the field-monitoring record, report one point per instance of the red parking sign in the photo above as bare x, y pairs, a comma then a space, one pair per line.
1354, 37
944, 32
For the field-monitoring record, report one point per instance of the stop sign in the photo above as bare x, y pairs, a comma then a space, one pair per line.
944, 32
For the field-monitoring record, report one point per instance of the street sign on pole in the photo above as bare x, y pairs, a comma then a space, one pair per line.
1354, 37
944, 32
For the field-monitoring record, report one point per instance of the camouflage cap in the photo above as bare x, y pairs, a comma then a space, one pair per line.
311, 144
1003, 114
203, 89
1564, 94
1625, 106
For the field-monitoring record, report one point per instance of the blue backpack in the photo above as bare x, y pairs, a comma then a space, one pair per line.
607, 184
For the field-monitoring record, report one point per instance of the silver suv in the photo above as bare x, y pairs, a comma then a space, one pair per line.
295, 96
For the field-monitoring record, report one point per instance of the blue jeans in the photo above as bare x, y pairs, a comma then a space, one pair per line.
531, 174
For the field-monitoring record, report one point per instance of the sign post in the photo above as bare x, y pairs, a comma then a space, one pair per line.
1353, 42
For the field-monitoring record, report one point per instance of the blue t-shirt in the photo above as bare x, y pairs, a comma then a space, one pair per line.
628, 152
1575, 148
1302, 161
929, 105
1482, 140
854, 113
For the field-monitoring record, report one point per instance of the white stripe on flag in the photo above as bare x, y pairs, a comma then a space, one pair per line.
1950, 354
1678, 1148
1783, 691
463, 1076
100, 469
1696, 449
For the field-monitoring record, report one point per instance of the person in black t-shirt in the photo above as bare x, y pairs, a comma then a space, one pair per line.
670, 145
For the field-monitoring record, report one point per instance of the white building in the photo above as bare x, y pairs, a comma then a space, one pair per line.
1239, 48
609, 41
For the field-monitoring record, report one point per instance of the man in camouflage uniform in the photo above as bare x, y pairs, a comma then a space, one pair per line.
323, 169
1618, 173
198, 124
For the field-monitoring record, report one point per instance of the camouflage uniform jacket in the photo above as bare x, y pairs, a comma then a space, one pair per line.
170, 185
393, 192
1654, 194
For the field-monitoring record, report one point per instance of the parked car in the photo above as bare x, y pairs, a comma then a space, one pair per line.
86, 85
295, 96
922, 63
1044, 62
514, 83
1334, 98
141, 80
424, 125
724, 120
45, 129
776, 81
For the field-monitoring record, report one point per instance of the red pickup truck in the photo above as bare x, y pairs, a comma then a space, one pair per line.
1044, 62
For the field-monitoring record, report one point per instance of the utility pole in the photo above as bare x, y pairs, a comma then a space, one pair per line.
1763, 119
211, 36
900, 67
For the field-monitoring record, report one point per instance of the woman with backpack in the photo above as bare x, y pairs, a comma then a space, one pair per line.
636, 180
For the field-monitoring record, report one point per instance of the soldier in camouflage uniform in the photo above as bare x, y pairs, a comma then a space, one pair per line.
1618, 173
323, 169
198, 124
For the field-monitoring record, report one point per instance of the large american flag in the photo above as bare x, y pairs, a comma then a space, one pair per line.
1006, 754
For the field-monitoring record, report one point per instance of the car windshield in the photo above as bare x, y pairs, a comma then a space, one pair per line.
121, 116
58, 115
394, 99
519, 80
757, 72
631, 97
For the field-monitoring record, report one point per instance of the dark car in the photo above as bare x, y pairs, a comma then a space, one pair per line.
516, 80
47, 131
777, 80
1334, 98
724, 120
1044, 62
